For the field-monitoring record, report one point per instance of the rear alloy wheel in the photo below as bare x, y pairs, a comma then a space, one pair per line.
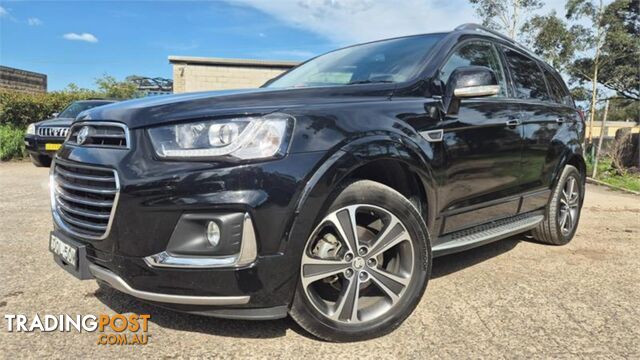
563, 211
364, 267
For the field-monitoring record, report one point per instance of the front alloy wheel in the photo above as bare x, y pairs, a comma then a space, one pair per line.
363, 267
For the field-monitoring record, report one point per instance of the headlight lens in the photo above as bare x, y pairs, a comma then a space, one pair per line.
31, 129
240, 138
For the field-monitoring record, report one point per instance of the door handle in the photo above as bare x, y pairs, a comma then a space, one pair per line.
513, 122
560, 120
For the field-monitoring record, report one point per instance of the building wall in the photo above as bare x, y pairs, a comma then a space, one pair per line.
204, 74
611, 128
22, 80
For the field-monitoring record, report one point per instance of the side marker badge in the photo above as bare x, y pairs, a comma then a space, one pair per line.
433, 135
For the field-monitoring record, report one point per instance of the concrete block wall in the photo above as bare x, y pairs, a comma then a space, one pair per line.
22, 80
223, 74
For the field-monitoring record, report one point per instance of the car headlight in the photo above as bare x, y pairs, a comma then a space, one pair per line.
241, 138
31, 129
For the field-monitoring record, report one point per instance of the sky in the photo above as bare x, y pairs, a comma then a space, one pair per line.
78, 41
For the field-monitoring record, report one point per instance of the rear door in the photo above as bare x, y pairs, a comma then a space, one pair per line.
542, 115
482, 147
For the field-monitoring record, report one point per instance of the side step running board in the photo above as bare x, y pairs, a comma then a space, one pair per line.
484, 234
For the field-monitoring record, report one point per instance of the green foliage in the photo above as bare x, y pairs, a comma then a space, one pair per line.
11, 142
607, 174
621, 109
17, 110
617, 42
505, 15
113, 89
20, 109
553, 39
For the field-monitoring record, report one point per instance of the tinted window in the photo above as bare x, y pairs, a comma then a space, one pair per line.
527, 77
554, 86
394, 60
77, 107
478, 54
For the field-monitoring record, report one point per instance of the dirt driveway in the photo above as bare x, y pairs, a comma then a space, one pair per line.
509, 299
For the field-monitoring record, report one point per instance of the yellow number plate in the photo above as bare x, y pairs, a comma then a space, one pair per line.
52, 147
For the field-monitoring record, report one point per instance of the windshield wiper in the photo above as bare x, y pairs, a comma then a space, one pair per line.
368, 82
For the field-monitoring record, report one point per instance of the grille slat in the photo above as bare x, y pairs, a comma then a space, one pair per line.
63, 194
84, 198
80, 223
60, 170
101, 134
82, 212
83, 187
57, 132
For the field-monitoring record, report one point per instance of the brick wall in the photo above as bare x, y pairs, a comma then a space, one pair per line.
22, 80
204, 74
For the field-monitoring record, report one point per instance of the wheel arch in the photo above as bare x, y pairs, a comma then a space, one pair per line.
397, 163
570, 158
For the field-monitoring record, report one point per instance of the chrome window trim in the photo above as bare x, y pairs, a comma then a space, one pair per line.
54, 204
247, 255
127, 135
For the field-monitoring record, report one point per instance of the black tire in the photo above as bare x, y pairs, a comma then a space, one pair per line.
549, 230
372, 193
40, 160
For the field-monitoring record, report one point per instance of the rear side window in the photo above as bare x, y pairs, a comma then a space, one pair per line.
527, 77
557, 93
478, 53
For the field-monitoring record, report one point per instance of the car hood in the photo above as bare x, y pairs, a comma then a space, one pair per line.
168, 108
62, 122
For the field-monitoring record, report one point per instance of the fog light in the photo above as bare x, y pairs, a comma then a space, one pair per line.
213, 233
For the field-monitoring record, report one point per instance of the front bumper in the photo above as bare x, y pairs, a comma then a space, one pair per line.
118, 283
36, 145
155, 195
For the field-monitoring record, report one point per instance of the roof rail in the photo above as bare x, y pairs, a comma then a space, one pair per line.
476, 27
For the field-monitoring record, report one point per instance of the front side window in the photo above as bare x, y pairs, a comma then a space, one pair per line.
386, 61
527, 77
475, 54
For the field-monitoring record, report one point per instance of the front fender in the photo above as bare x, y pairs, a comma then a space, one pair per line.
337, 167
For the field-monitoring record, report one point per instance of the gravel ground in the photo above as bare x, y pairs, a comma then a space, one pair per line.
509, 299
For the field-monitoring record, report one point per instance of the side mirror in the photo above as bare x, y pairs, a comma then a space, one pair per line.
469, 82
55, 115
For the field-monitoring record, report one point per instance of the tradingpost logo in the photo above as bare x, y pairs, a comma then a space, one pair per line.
118, 329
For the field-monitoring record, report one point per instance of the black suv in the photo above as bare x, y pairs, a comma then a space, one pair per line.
44, 138
326, 193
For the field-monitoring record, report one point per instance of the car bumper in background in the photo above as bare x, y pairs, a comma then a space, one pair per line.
40, 146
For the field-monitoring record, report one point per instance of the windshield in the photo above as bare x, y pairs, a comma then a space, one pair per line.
390, 61
77, 107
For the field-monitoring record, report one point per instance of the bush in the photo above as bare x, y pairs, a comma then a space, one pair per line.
11, 142
19, 109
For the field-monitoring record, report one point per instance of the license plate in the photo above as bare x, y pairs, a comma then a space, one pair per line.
52, 147
66, 252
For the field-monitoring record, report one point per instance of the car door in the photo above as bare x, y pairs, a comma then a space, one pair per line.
481, 146
542, 115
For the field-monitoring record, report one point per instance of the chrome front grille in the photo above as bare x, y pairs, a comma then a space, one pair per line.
57, 132
100, 134
83, 198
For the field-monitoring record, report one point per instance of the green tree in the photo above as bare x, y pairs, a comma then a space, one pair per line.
616, 64
603, 54
507, 16
114, 89
553, 39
